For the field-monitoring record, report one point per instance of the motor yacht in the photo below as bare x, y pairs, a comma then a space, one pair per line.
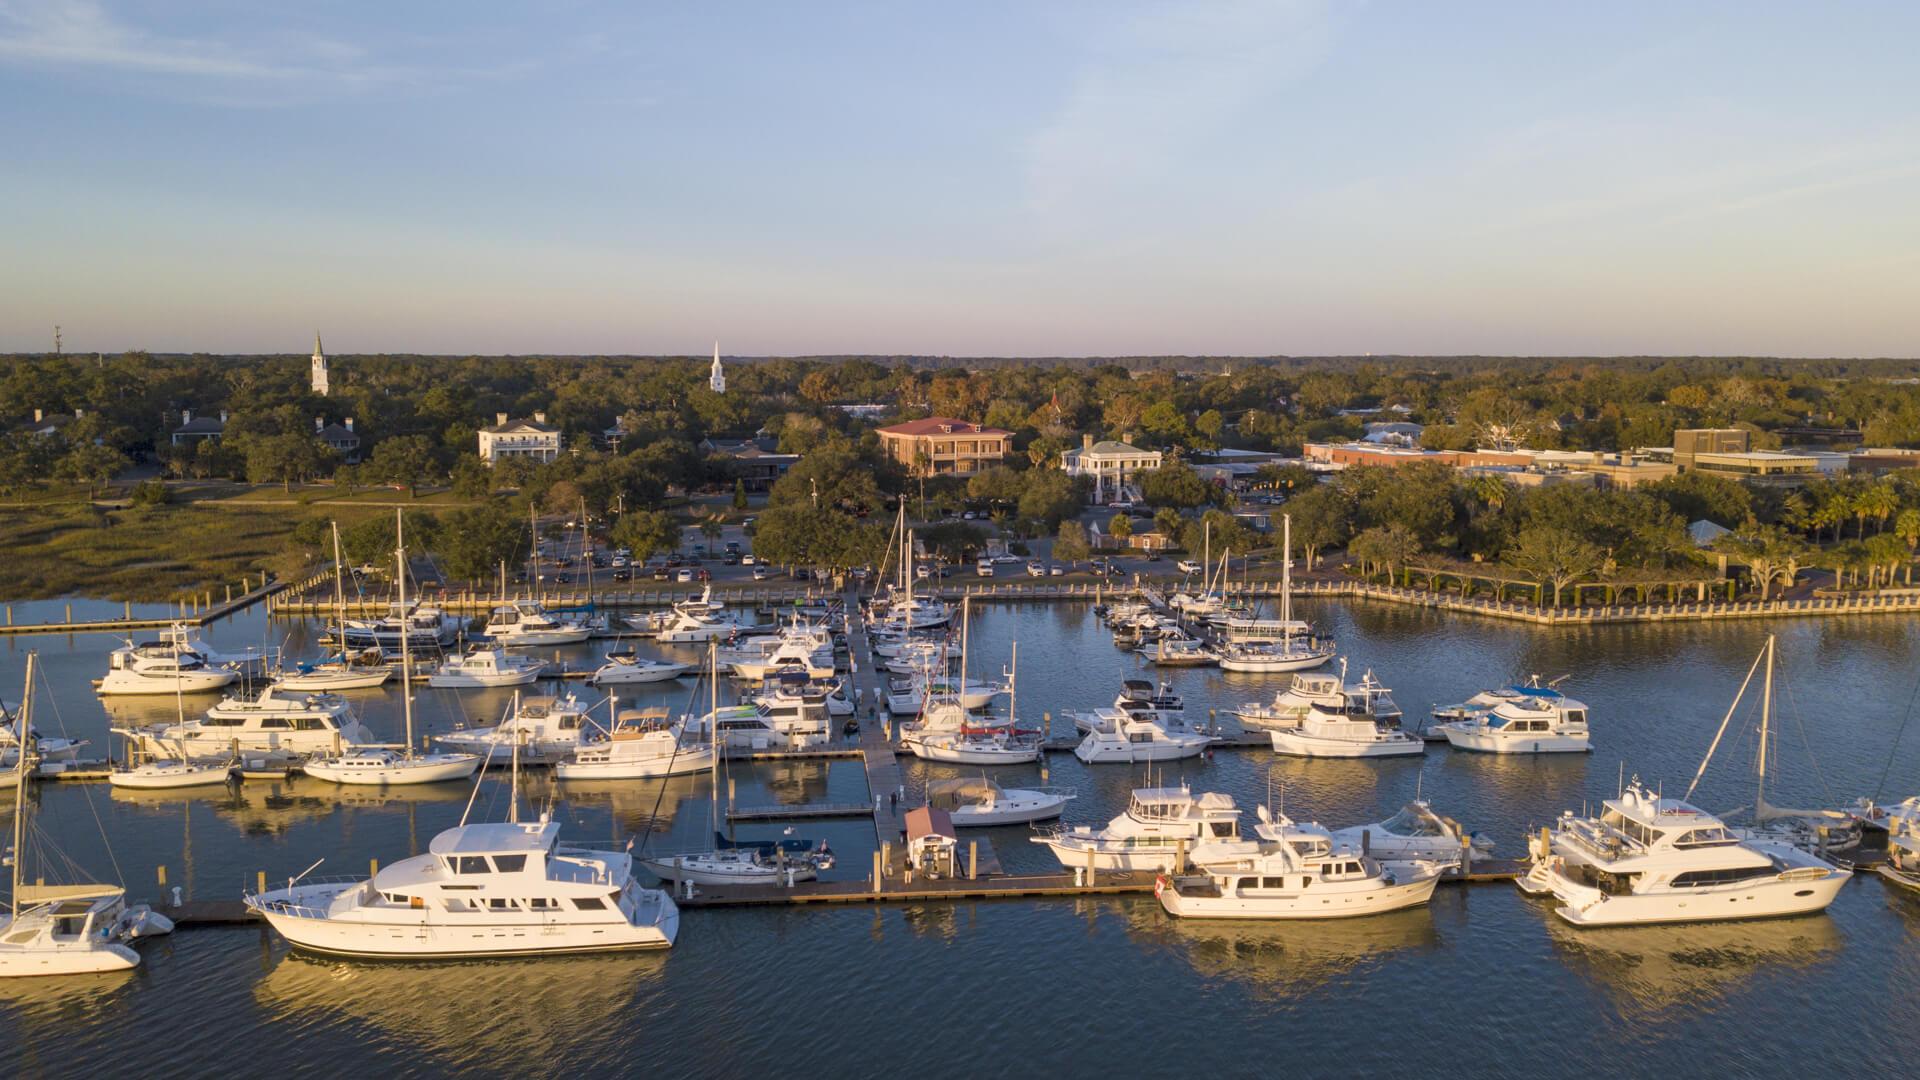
1366, 727
45, 748
527, 624
1519, 719
771, 722
1649, 859
1158, 826
155, 667
799, 649
1116, 736
641, 744
629, 668
1142, 696
495, 889
1415, 834
275, 719
1328, 692
249, 663
980, 802
486, 666
425, 627
1304, 874
1902, 822
545, 730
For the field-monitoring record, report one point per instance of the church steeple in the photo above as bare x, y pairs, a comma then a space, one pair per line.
319, 366
718, 379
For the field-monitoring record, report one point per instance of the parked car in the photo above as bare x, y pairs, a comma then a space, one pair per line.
622, 574
1187, 566
1034, 569
733, 546
1056, 571
967, 515
684, 575
800, 573
759, 573
746, 560
923, 571
984, 568
661, 573
732, 559
1120, 504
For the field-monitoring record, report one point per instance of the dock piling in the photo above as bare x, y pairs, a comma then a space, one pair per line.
161, 873
260, 881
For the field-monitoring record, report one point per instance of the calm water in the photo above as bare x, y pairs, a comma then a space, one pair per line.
1484, 980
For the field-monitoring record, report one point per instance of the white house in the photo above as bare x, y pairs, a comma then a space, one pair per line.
1109, 463
535, 439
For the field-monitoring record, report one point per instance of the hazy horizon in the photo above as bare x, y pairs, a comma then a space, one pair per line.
1065, 180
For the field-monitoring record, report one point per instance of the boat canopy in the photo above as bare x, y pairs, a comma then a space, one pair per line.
966, 791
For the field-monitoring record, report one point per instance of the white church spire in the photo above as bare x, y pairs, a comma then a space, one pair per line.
319, 366
718, 379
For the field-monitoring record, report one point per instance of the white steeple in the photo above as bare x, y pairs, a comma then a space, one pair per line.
717, 380
319, 366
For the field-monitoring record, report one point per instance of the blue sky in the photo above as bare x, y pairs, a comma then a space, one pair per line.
978, 179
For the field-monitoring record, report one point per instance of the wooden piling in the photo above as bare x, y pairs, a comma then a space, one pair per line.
973, 859
160, 873
260, 881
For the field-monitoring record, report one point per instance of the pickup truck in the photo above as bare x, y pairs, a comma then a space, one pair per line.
1187, 566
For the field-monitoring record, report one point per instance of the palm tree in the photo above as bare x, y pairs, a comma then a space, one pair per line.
1491, 490
1879, 502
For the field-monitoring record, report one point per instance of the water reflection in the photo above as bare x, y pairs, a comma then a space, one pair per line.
268, 807
536, 1011
1647, 970
1287, 959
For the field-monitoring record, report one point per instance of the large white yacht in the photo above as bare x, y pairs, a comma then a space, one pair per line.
1152, 832
1649, 859
486, 666
496, 889
1348, 729
425, 627
1521, 719
771, 722
275, 719
1327, 691
1116, 736
527, 624
797, 649
696, 619
642, 744
627, 667
546, 730
157, 667
1302, 874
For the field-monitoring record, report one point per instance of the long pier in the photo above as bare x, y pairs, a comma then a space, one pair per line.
199, 617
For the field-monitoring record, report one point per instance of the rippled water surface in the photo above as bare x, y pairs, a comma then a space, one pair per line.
1484, 982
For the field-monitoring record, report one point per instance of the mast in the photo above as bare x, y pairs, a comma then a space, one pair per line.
339, 591
586, 544
533, 521
1766, 717
965, 626
1013, 682
713, 725
406, 626
22, 724
1286, 575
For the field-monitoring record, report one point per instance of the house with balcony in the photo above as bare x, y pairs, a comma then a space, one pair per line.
945, 446
533, 440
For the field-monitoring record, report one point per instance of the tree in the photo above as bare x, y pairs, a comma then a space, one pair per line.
1878, 502
1120, 526
1554, 555
1071, 543
711, 525
475, 540
1168, 522
90, 465
954, 541
1384, 547
1907, 527
405, 460
1175, 485
1048, 498
1322, 518
646, 533
739, 494
1769, 552
284, 459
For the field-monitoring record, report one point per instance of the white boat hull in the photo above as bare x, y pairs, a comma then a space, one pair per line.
326, 681
1263, 666
166, 775
81, 958
540, 639
1014, 807
1785, 895
1156, 858
1128, 753
967, 753
1314, 902
688, 761
689, 870
127, 684
629, 675
442, 935
463, 681
1461, 737
1298, 744
425, 769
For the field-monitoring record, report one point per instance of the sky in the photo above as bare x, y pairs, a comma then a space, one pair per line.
1004, 179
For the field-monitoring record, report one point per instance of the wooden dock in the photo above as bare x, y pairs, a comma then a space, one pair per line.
923, 890
200, 616
799, 811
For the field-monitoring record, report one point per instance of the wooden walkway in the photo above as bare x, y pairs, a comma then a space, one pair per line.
799, 810
96, 626
921, 891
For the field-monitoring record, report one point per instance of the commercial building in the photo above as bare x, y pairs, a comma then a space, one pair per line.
944, 446
534, 439
756, 462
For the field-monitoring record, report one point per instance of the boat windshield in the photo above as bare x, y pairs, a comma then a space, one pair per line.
1413, 821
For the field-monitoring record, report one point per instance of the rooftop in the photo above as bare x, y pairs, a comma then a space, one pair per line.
940, 425
521, 425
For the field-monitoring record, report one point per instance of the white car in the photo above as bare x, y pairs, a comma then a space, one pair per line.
1034, 569
984, 568
746, 560
1187, 566
1056, 571
1120, 504
759, 573
683, 575
1006, 558
923, 571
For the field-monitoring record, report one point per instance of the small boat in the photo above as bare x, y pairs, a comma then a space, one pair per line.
1520, 719
328, 676
1303, 875
423, 626
1152, 833
526, 624
154, 667
798, 649
1274, 658
1415, 834
641, 744
45, 748
981, 802
485, 666
1116, 736
629, 668
540, 730
1169, 651
155, 774
730, 862
1330, 692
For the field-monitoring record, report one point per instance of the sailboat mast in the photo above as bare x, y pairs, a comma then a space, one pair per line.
339, 590
533, 523
1766, 719
1286, 572
22, 726
406, 625
1013, 684
713, 725
965, 626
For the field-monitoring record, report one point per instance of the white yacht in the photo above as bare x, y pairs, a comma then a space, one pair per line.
527, 624
45, 748
933, 650
1265, 658
327, 676
1326, 691
154, 667
947, 731
980, 802
1903, 844
545, 729
1649, 859
798, 649
1367, 728
250, 663
833, 691
72, 929
771, 722
496, 889
425, 627
1518, 719
166, 773
1141, 696
486, 666
275, 719
1302, 875
697, 619
1416, 833
1117, 736
1178, 651
629, 668
642, 744
1158, 825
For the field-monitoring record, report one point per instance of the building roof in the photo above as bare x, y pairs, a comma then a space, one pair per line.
925, 821
202, 425
336, 433
1705, 532
522, 425
940, 425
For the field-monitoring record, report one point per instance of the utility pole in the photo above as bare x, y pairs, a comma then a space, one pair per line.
56, 340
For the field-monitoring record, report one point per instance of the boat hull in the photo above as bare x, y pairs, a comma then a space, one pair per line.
1769, 899
1273, 666
431, 769
1530, 743
1014, 811
125, 684
623, 675
682, 764
962, 754
480, 682
168, 778
542, 638
1127, 753
85, 958
323, 682
1295, 744
1310, 903
431, 941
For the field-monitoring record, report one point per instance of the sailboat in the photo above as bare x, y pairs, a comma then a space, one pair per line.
381, 765
339, 673
74, 929
1256, 646
947, 731
730, 862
